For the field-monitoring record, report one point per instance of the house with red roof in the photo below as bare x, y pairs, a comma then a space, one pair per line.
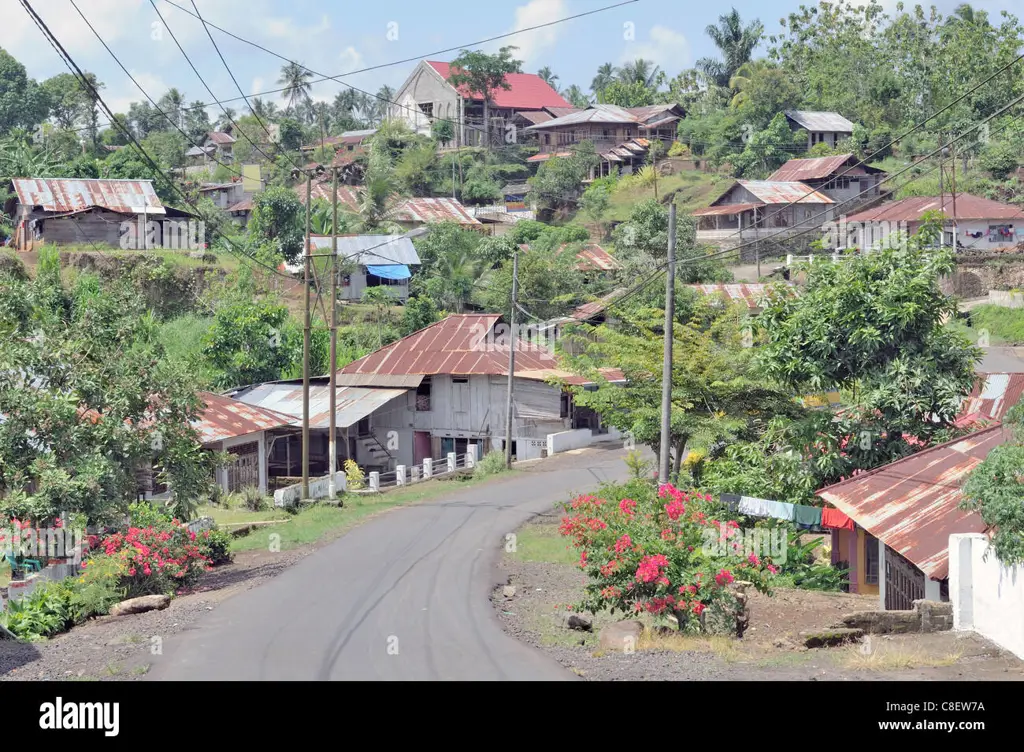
427, 96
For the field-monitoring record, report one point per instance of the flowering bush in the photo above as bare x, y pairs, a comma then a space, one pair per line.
649, 552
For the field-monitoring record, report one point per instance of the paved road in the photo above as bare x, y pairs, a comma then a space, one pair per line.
417, 578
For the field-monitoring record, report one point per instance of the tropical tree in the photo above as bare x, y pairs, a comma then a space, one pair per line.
226, 118
264, 108
576, 97
640, 71
482, 74
296, 82
382, 103
735, 41
172, 105
549, 77
605, 75
276, 222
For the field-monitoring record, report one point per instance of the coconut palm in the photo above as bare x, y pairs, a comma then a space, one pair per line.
575, 96
265, 109
548, 76
382, 104
226, 118
296, 82
735, 41
639, 71
742, 82
605, 75
172, 104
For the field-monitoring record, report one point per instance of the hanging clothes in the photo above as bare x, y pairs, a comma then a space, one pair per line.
836, 520
753, 507
807, 516
780, 510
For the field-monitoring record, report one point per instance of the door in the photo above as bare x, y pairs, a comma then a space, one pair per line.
447, 445
244, 468
420, 446
904, 583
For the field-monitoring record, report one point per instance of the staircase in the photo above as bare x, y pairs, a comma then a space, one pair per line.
371, 445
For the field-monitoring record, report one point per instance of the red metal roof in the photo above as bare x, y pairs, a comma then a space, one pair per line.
725, 209
68, 195
546, 156
911, 209
994, 395
817, 168
528, 91
433, 210
243, 205
322, 190
777, 192
913, 505
595, 258
750, 294
219, 137
225, 418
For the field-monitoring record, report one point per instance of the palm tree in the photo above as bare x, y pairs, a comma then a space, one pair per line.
382, 107
574, 94
227, 117
548, 77
264, 108
605, 75
296, 82
639, 71
736, 43
172, 105
742, 81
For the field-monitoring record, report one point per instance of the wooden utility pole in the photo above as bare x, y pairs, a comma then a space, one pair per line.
511, 359
666, 372
306, 332
956, 229
333, 451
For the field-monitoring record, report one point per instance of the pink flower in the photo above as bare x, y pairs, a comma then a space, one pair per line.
675, 509
627, 507
773, 569
724, 577
650, 568
623, 544
754, 560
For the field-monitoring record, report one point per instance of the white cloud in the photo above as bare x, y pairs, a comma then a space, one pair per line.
351, 60
257, 87
532, 43
664, 46
120, 95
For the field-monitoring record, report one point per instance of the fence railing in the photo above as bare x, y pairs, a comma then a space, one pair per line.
431, 468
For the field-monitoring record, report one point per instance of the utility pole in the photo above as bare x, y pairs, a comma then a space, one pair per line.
306, 332
333, 452
956, 229
511, 359
666, 373
757, 248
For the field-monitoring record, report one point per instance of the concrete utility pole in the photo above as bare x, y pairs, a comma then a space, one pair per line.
306, 332
333, 452
511, 359
666, 373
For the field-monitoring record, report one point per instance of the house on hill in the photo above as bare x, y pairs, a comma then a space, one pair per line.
456, 375
217, 147
409, 213
762, 210
822, 127
608, 125
372, 261
86, 212
972, 223
842, 178
427, 96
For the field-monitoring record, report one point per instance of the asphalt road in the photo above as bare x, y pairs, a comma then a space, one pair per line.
403, 597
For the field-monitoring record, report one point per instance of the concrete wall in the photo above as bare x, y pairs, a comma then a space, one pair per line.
577, 439
318, 489
987, 596
426, 86
261, 439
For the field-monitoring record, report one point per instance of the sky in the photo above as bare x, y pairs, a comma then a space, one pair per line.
339, 37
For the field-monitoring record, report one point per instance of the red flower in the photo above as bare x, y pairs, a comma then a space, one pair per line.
675, 509
650, 568
627, 507
724, 577
754, 560
623, 544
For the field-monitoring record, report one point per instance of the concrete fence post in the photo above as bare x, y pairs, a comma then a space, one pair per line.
415, 473
375, 481
428, 468
451, 462
789, 259
471, 457
400, 475
961, 578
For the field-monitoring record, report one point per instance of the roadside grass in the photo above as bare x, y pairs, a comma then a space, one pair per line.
241, 515
890, 658
722, 646
1005, 326
693, 189
328, 521
5, 574
541, 543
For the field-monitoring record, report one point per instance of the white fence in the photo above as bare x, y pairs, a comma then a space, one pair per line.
987, 596
577, 439
431, 468
318, 489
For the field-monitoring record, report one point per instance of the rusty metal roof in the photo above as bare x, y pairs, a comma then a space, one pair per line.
226, 418
994, 395
819, 168
461, 344
387, 381
779, 192
967, 207
346, 193
428, 210
352, 404
913, 505
750, 294
219, 137
725, 209
595, 258
68, 195
820, 121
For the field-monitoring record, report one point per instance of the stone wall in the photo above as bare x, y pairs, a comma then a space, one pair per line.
974, 278
926, 616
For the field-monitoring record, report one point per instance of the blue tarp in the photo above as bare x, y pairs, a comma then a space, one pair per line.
391, 271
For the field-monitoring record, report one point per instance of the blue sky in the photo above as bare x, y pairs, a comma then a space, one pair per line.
335, 37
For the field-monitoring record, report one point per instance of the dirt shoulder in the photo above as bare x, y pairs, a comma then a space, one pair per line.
545, 580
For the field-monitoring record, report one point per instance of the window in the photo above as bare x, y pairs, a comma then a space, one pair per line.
363, 426
870, 559
460, 380
1000, 233
423, 396
564, 411
346, 281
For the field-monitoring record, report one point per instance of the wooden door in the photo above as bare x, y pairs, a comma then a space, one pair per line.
244, 468
904, 583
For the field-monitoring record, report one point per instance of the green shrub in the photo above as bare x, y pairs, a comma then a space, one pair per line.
215, 545
148, 514
491, 464
44, 612
253, 499
97, 588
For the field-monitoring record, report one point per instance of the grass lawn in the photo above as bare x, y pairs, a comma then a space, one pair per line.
316, 522
693, 189
241, 515
542, 543
1005, 326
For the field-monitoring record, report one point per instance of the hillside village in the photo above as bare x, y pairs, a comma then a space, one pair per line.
225, 323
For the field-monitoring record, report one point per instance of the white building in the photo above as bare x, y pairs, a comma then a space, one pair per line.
822, 127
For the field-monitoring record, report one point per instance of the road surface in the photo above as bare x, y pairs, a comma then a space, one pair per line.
403, 597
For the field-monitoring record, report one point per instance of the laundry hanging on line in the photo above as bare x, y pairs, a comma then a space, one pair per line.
836, 520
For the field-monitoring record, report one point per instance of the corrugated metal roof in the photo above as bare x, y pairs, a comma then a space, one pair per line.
820, 121
777, 192
536, 117
352, 403
243, 205
380, 250
911, 209
724, 209
750, 294
546, 156
994, 395
589, 310
428, 210
527, 91
379, 380
818, 168
913, 505
347, 195
67, 195
595, 258
610, 113
226, 418
461, 345
219, 137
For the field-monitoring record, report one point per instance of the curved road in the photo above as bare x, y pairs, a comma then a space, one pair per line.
404, 596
